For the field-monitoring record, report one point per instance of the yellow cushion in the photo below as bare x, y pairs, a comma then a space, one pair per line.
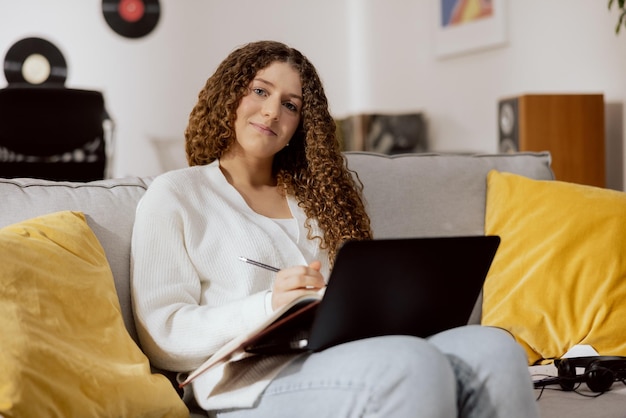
64, 350
559, 276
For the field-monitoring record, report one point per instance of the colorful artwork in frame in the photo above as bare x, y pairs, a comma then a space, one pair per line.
463, 26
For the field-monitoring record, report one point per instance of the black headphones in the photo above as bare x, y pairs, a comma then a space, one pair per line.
599, 375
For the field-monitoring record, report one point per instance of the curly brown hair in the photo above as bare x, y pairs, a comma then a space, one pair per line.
312, 168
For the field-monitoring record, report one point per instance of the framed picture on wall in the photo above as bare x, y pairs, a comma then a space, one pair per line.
464, 26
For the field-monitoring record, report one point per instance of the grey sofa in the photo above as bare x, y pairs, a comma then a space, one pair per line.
406, 195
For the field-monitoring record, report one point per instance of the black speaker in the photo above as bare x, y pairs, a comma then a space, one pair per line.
599, 373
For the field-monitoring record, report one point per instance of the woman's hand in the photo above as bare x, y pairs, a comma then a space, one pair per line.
293, 282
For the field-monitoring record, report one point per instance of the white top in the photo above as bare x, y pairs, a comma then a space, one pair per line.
190, 292
290, 226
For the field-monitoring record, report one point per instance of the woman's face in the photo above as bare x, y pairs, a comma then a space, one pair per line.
268, 116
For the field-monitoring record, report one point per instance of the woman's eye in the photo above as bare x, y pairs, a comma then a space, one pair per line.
259, 91
292, 107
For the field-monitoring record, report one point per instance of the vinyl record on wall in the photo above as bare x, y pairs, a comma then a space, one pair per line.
35, 61
131, 18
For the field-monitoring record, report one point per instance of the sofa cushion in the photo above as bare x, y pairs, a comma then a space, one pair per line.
411, 195
65, 350
559, 276
110, 209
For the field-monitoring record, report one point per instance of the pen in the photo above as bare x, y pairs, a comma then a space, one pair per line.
258, 264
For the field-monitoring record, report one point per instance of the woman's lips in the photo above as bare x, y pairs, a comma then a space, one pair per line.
263, 129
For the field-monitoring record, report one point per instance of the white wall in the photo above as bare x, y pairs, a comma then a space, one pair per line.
373, 55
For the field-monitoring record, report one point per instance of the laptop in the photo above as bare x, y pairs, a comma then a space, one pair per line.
408, 286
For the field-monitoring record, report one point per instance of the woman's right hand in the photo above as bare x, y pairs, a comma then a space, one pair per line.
293, 282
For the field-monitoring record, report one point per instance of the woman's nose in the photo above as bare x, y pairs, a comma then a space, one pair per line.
271, 108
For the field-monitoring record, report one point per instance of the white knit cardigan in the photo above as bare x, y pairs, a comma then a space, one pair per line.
190, 292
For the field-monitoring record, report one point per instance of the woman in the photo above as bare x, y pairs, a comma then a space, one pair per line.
268, 182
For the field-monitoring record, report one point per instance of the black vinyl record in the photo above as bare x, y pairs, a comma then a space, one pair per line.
35, 61
131, 18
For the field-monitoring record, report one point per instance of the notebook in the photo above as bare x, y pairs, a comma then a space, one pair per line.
408, 286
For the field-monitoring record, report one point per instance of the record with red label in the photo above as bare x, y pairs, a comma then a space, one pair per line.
131, 18
35, 61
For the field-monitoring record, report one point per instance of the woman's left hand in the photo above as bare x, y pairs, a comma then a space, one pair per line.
292, 282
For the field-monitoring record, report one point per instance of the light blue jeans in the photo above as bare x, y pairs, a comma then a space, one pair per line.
472, 371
